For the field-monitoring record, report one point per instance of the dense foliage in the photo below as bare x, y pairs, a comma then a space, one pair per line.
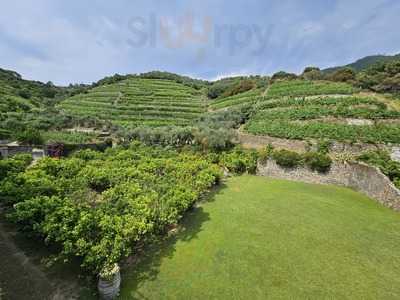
366, 62
287, 159
232, 86
97, 206
211, 132
312, 73
12, 166
315, 161
30, 137
282, 75
342, 75
239, 161
381, 77
27, 107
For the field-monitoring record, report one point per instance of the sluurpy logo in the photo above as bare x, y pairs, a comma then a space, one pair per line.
199, 32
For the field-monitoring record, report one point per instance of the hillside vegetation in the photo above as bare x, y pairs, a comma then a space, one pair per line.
248, 97
322, 110
174, 139
21, 100
137, 101
28, 110
308, 88
366, 62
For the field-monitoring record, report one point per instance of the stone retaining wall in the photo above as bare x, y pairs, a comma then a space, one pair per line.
8, 151
361, 177
260, 142
41, 151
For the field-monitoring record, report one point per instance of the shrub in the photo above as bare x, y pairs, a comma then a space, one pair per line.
324, 146
287, 159
30, 137
14, 165
241, 87
240, 161
26, 94
342, 75
318, 161
266, 153
283, 76
97, 207
312, 73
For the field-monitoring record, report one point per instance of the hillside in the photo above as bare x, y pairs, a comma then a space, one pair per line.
365, 62
322, 110
139, 101
22, 100
240, 99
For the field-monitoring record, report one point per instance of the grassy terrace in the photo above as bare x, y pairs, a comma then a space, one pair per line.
258, 238
139, 101
248, 97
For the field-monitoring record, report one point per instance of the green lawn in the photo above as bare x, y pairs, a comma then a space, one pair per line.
258, 238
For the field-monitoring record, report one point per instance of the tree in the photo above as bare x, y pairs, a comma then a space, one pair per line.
30, 137
343, 75
312, 73
26, 94
283, 76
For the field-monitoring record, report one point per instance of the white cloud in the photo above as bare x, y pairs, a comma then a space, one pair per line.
75, 41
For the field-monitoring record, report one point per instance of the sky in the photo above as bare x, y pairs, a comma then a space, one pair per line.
81, 41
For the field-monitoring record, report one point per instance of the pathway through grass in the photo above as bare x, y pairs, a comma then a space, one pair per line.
258, 238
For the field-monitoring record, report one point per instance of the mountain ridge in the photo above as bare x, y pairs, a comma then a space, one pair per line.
365, 62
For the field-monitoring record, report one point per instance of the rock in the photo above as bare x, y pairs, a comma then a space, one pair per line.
359, 122
395, 155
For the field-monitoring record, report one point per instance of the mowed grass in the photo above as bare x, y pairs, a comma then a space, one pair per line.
258, 238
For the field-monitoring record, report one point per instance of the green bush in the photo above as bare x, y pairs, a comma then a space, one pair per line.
287, 159
97, 207
14, 165
240, 161
30, 137
324, 146
318, 161
266, 153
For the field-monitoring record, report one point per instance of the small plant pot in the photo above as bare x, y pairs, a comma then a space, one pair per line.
109, 287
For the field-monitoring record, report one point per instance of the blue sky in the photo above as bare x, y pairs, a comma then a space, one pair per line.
82, 41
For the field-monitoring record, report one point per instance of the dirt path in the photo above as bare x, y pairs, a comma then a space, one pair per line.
19, 278
22, 276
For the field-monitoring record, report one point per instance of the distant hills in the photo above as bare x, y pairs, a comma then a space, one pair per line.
365, 62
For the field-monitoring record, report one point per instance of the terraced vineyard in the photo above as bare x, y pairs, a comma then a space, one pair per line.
295, 88
346, 118
249, 97
137, 101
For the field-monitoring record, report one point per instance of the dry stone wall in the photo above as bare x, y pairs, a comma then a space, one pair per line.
8, 151
361, 177
260, 142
